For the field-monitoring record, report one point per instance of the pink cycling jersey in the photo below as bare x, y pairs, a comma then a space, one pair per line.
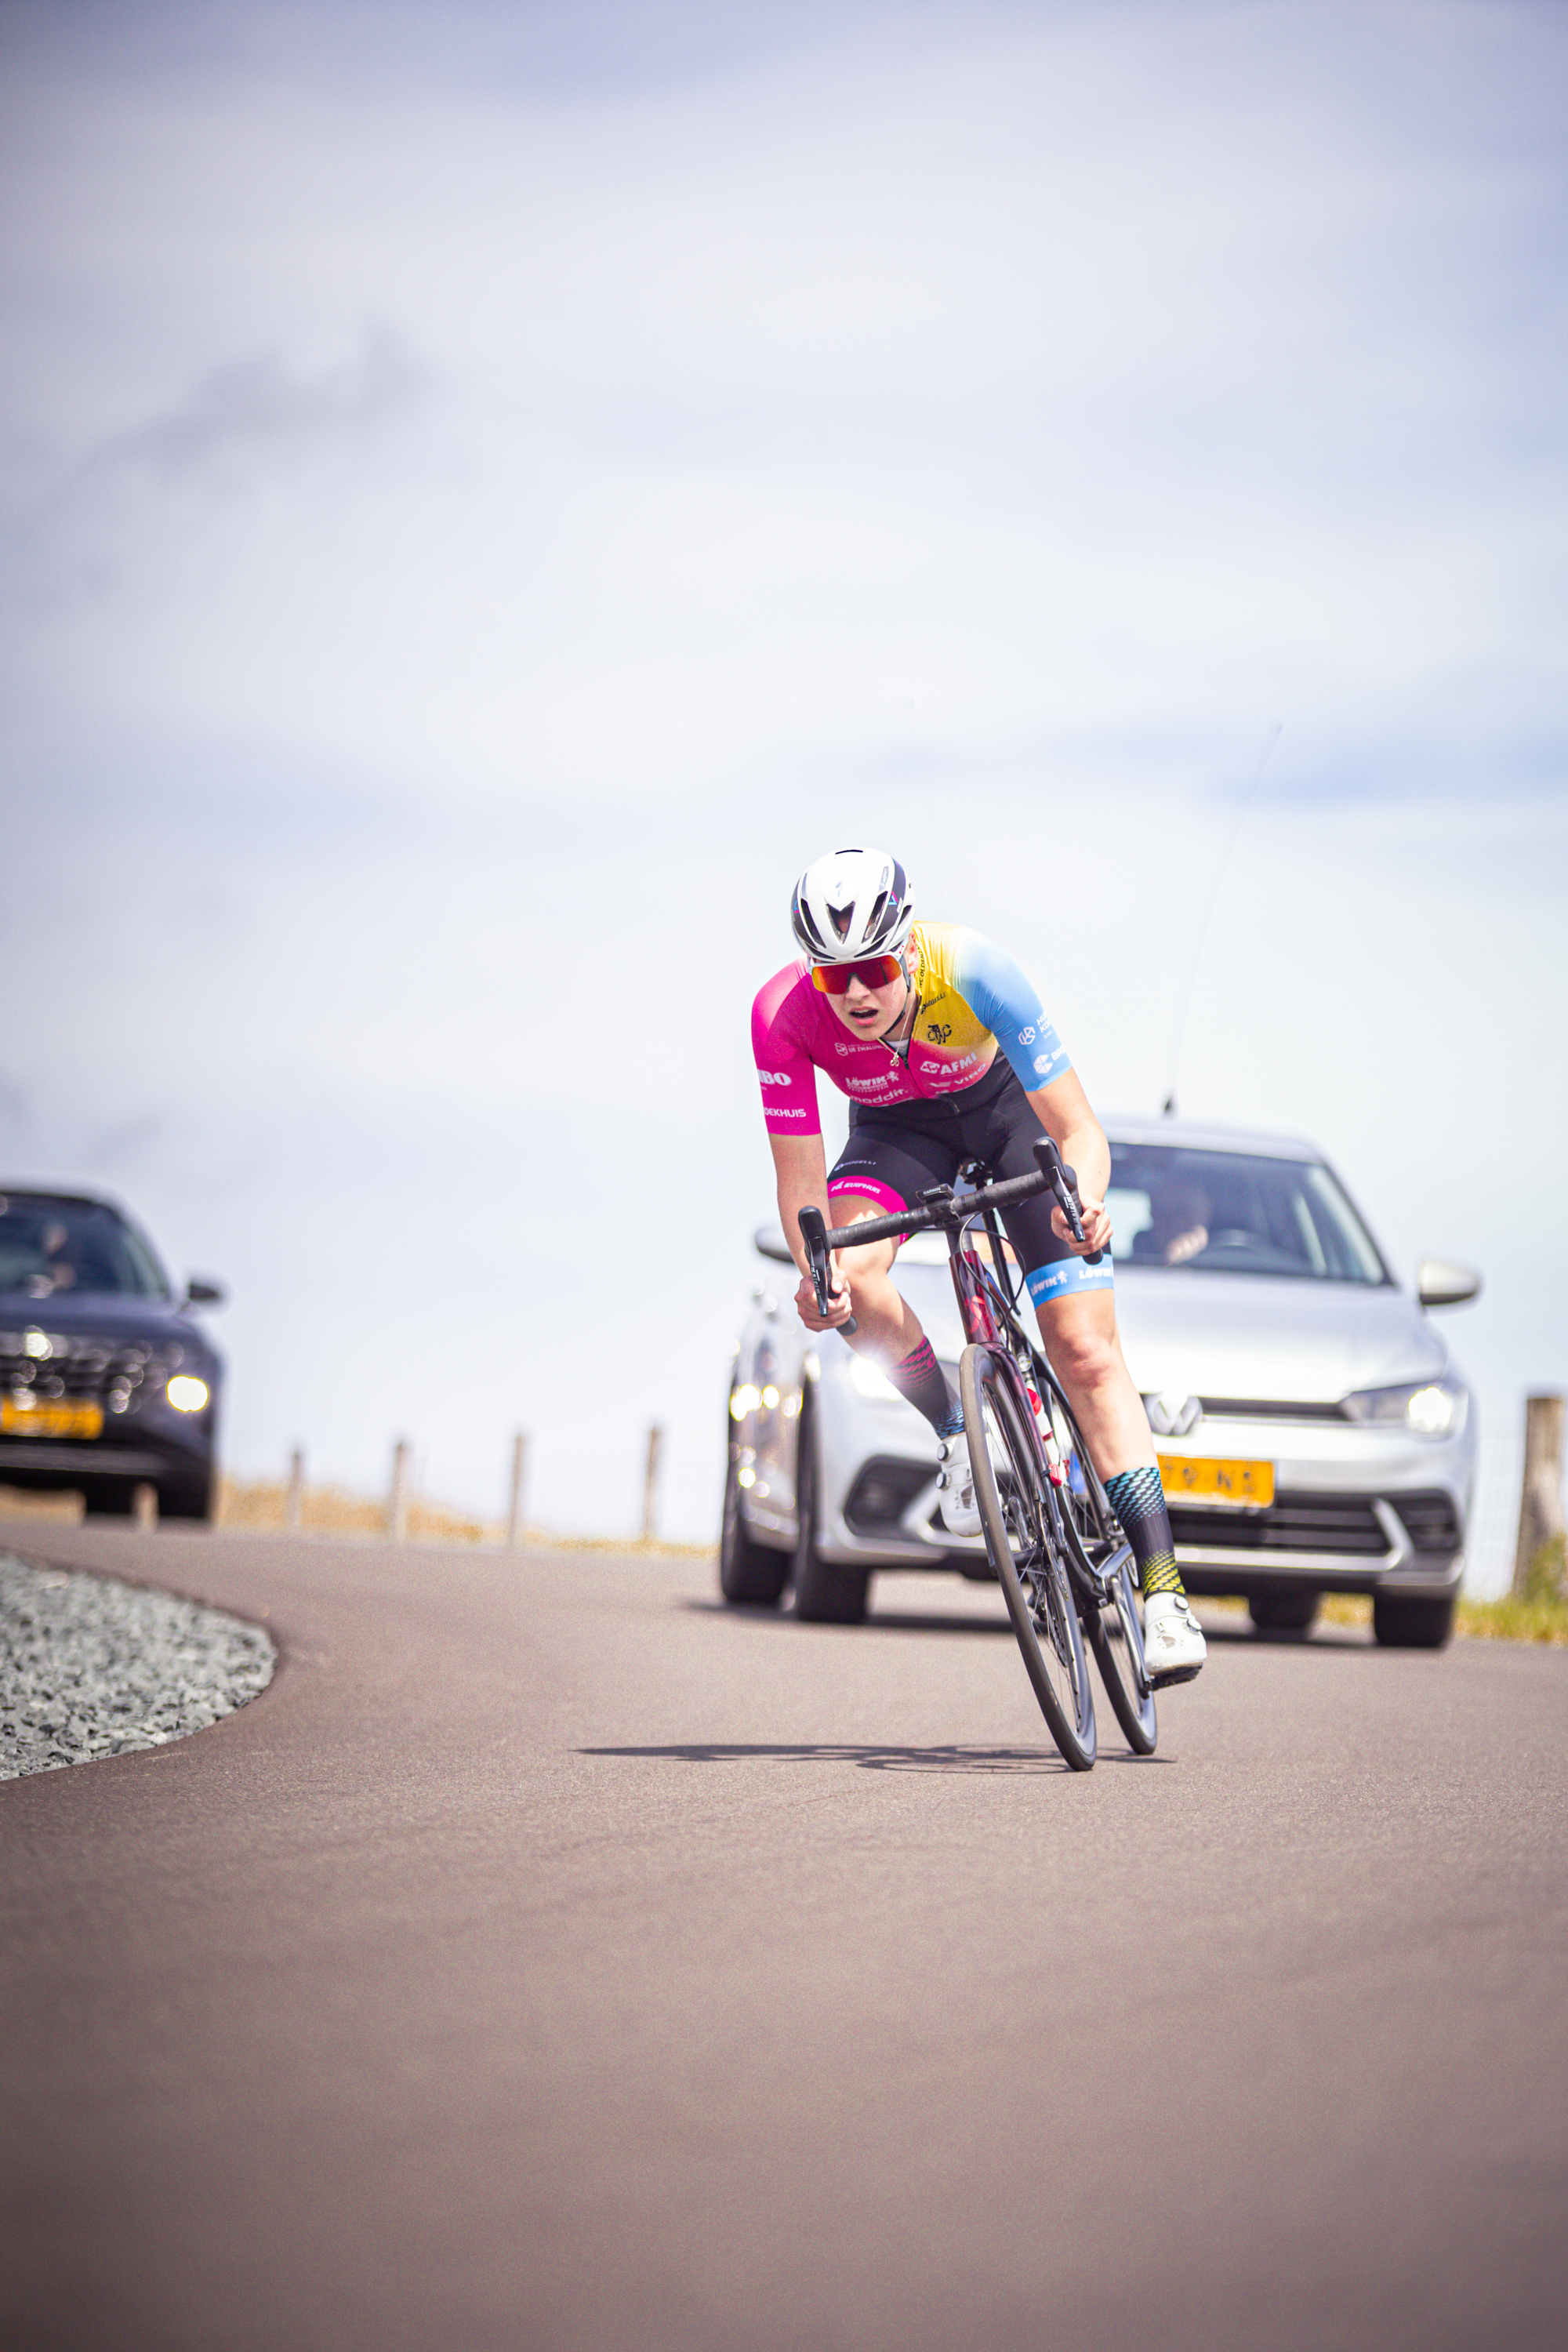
972, 1000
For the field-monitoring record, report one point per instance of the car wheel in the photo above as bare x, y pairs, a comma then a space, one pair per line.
186, 1502
1401, 1621
825, 1593
108, 1498
750, 1574
1284, 1612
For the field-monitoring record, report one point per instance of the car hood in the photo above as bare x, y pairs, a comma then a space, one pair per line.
1241, 1335
104, 1317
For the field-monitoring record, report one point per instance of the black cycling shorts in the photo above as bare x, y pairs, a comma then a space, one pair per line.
892, 1156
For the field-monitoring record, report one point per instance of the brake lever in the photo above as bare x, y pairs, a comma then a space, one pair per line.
814, 1233
1063, 1181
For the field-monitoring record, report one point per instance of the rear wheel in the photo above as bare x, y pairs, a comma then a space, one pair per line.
1116, 1637
1283, 1612
1402, 1622
1095, 1540
750, 1575
825, 1593
1021, 1538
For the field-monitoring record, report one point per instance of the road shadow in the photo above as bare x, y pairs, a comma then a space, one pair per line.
870, 1758
1328, 1640
880, 1620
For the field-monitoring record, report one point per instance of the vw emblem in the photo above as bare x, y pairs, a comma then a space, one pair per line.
1171, 1415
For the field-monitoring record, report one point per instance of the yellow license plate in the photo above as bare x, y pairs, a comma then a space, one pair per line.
50, 1417
1249, 1485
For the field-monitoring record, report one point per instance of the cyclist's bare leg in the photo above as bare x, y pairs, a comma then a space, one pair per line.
886, 1324
1082, 1342
1085, 1348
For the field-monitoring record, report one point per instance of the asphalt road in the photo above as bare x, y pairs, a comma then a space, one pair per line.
551, 1958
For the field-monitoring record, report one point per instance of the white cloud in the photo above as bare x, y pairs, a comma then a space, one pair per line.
539, 457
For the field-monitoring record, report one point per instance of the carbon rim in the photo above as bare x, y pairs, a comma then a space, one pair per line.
1034, 1575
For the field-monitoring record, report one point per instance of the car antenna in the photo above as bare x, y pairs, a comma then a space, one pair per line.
1168, 1108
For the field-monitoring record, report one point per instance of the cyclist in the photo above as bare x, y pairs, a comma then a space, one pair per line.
946, 1054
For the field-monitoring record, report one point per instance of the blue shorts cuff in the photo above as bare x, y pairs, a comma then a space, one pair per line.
1068, 1274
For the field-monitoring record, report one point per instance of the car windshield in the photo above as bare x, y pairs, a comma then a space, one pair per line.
49, 1247
1234, 1212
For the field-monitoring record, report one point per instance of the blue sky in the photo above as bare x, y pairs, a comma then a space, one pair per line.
487, 494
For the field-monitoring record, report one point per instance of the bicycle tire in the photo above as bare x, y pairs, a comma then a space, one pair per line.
1021, 1538
1115, 1630
1116, 1637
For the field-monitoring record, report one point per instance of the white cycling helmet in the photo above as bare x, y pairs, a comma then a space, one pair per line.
852, 903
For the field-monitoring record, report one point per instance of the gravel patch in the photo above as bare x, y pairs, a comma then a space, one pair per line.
90, 1667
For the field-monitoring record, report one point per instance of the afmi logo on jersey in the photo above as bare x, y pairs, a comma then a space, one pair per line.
1026, 1037
775, 1078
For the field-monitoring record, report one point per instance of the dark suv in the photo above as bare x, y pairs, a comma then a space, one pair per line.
106, 1383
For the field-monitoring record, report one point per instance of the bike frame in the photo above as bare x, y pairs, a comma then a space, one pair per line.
990, 1319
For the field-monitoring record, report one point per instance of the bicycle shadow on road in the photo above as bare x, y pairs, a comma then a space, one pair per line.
870, 1758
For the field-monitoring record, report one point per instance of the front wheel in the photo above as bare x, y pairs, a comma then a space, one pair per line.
1403, 1620
1020, 1536
825, 1592
750, 1575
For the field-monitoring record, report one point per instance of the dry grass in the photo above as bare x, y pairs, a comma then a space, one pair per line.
260, 1506
21, 1503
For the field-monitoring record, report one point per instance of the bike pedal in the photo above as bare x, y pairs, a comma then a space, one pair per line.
1178, 1675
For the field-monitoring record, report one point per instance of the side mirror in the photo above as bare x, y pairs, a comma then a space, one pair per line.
1439, 1283
768, 1242
199, 1292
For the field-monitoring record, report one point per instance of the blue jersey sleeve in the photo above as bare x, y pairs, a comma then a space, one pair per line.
991, 982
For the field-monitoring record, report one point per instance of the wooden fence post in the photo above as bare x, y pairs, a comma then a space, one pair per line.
518, 1472
397, 1500
294, 1502
1540, 1500
650, 1485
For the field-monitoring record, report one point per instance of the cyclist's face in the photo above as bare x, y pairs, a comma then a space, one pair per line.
867, 1011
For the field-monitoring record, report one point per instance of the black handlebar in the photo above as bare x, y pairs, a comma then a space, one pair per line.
814, 1233
1063, 1182
1053, 1176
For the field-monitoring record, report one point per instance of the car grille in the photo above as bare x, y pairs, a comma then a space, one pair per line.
115, 1373
1267, 1409
883, 1493
1326, 1523
1342, 1523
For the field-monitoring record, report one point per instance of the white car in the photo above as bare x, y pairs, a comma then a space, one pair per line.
1313, 1435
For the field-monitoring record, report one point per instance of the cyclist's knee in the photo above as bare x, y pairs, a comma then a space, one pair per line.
1084, 1348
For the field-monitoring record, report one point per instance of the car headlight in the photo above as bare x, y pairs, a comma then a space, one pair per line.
187, 1394
1430, 1408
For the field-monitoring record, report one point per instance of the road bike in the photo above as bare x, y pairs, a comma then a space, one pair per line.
1062, 1560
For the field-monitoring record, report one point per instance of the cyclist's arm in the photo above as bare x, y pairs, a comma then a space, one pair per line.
801, 1165
1062, 1110
992, 983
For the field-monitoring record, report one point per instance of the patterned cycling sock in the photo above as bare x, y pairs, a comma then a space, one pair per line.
921, 1378
1138, 1500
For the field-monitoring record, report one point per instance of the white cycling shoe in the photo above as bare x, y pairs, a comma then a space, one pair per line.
1173, 1644
956, 1488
